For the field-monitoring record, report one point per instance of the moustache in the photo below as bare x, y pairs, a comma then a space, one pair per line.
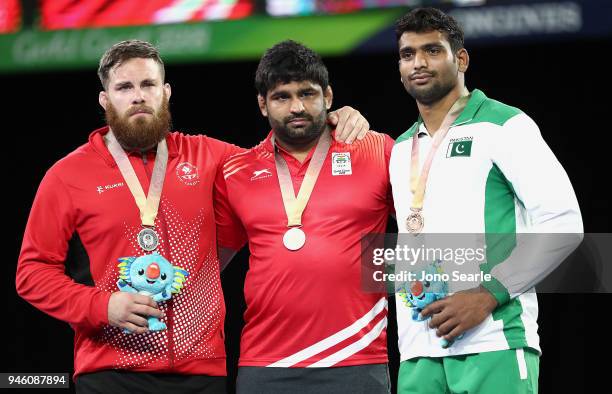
422, 73
139, 109
303, 115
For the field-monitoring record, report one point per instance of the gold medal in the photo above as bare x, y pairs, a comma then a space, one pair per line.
294, 238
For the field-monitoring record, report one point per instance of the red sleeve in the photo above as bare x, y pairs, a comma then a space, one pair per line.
389, 142
222, 150
40, 278
230, 231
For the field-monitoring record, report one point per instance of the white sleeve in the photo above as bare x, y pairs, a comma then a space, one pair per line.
543, 189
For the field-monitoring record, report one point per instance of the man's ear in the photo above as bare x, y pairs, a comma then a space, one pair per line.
262, 105
167, 90
103, 99
463, 59
329, 97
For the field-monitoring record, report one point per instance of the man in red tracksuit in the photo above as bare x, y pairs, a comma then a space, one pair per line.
309, 325
88, 203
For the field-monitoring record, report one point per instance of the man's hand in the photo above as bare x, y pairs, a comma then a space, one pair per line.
130, 311
349, 123
457, 313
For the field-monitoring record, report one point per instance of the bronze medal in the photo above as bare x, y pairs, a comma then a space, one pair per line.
415, 222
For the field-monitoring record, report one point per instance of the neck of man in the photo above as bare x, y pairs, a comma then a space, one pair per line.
433, 114
298, 149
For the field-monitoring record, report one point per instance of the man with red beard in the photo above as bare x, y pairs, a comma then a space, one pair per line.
93, 204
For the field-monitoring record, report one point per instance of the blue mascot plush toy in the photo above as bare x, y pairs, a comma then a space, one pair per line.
151, 275
418, 294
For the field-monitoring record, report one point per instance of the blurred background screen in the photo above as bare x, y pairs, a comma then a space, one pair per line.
308, 7
67, 34
70, 14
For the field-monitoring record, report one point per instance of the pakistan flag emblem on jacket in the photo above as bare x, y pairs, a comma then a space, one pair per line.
460, 147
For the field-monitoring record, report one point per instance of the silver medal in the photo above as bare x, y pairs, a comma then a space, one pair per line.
148, 239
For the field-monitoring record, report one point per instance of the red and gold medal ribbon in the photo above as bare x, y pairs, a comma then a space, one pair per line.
147, 205
418, 183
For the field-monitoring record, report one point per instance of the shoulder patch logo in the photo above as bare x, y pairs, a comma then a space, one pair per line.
261, 174
341, 163
460, 147
188, 173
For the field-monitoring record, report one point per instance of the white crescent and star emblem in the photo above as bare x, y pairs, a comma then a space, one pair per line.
461, 147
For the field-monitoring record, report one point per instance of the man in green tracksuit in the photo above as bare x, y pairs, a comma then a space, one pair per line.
489, 172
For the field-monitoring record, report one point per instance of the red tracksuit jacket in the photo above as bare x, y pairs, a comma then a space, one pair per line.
84, 210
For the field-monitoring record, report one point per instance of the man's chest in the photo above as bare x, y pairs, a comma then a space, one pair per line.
347, 187
458, 168
104, 202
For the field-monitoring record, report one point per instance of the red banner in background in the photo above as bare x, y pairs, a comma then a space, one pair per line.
10, 16
68, 14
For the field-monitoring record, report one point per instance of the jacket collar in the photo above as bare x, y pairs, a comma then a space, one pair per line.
96, 140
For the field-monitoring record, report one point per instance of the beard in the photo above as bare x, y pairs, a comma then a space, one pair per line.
430, 94
297, 136
141, 133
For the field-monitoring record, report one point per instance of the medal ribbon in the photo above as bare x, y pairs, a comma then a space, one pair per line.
418, 183
149, 205
294, 207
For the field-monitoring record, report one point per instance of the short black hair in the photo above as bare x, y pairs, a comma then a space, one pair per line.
289, 61
126, 50
423, 20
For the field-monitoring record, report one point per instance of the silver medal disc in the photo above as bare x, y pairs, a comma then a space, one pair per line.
294, 238
148, 239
